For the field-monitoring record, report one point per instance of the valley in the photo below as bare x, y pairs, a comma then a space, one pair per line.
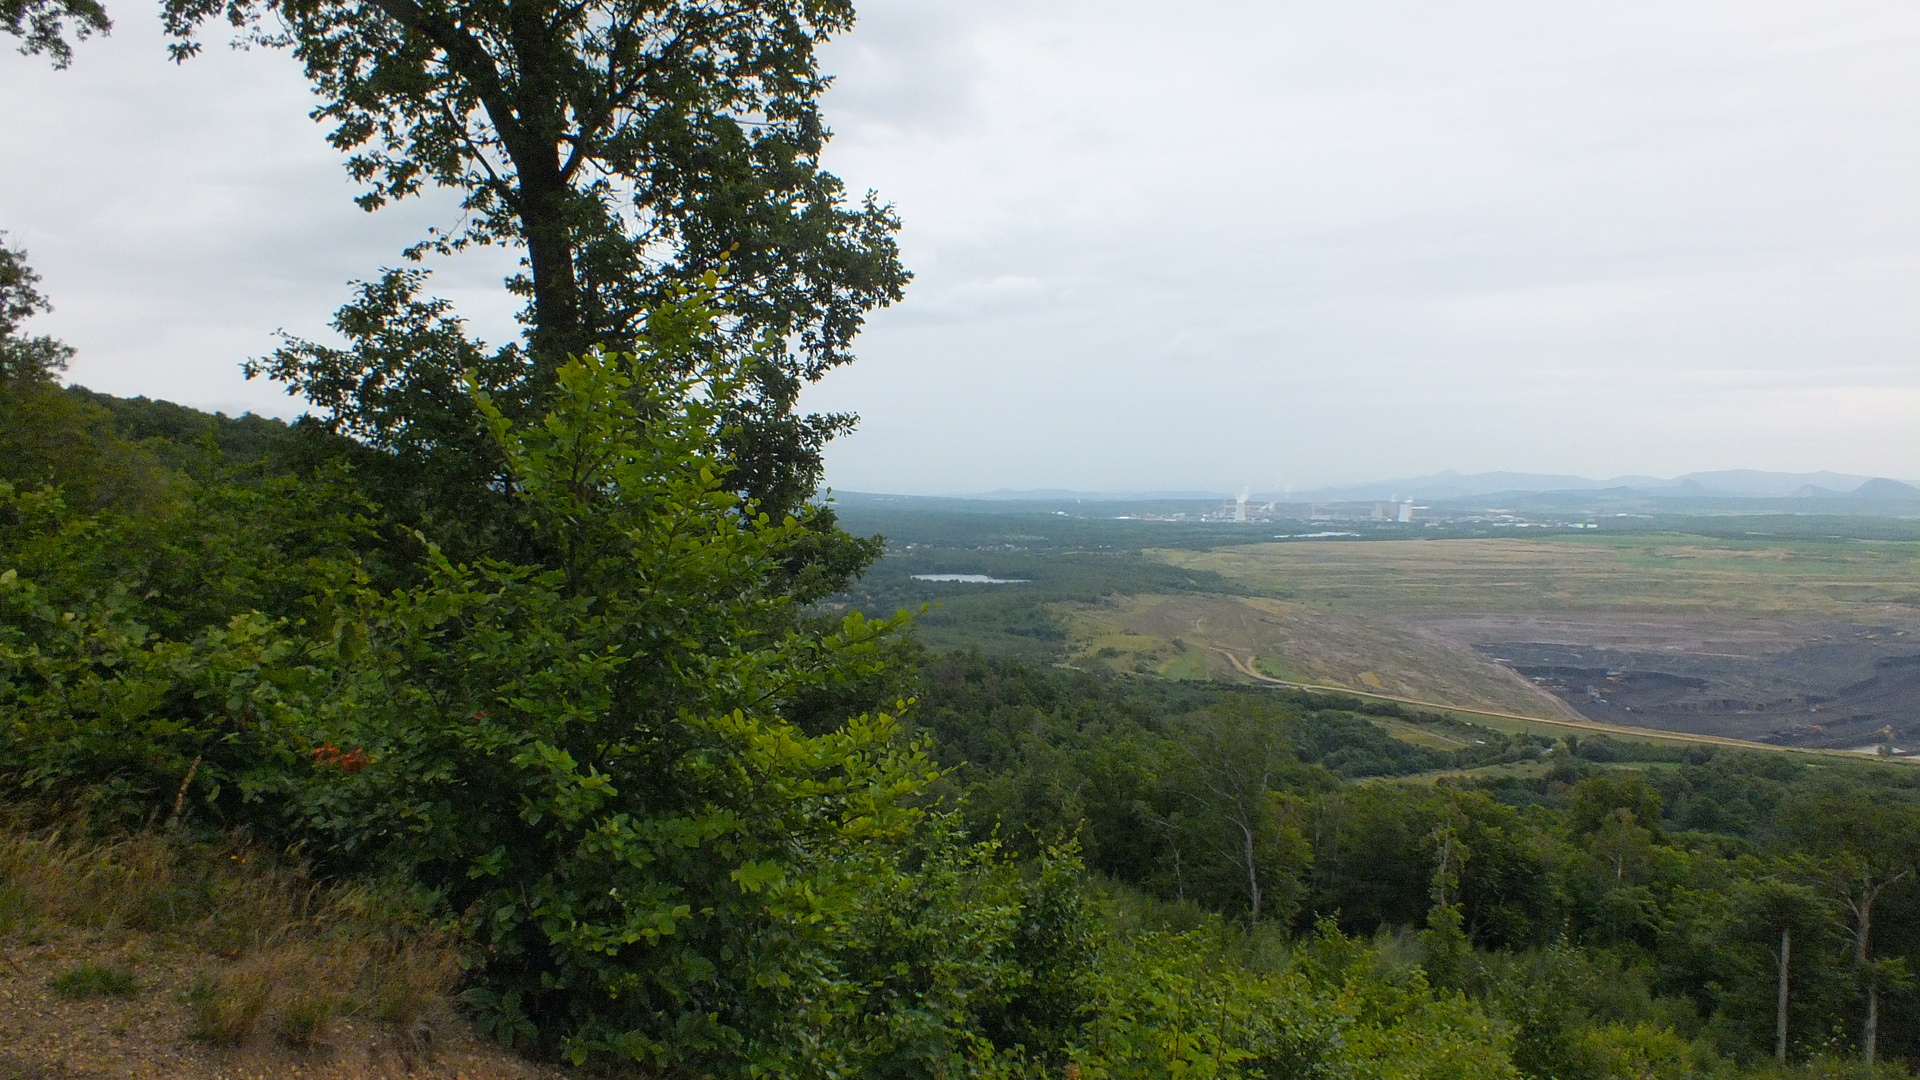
1689, 626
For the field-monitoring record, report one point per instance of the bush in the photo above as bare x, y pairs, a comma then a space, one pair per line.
136, 654
1196, 1004
585, 758
94, 980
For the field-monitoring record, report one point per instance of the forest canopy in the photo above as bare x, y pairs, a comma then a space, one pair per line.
536, 636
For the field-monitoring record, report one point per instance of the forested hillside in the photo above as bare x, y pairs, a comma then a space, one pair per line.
1601, 886
519, 680
682, 821
571, 746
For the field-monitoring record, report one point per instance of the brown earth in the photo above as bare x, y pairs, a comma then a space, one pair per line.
216, 960
1204, 636
1795, 644
1786, 681
151, 1033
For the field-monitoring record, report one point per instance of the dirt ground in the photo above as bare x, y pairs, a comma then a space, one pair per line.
1795, 644
148, 1034
1841, 686
1799, 681
1200, 636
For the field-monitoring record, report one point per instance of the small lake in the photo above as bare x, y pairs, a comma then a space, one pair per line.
972, 579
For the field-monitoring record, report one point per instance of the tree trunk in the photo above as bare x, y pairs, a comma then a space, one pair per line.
1253, 873
557, 332
545, 194
530, 125
1873, 1019
1864, 925
1780, 1009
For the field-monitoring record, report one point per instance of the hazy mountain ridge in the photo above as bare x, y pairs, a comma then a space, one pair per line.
1728, 483
1448, 484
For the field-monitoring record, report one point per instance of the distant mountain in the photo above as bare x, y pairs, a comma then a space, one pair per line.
1059, 494
1882, 488
1728, 483
1752, 484
1451, 486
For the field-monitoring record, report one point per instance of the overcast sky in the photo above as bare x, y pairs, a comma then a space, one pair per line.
1205, 245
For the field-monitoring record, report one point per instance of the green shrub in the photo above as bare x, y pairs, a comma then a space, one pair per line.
94, 980
1199, 1003
227, 1006
303, 1017
137, 660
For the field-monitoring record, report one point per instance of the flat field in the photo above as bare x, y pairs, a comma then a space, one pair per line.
1790, 629
1802, 643
1199, 636
1675, 575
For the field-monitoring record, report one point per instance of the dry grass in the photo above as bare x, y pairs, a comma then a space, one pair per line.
1224, 637
1640, 574
1401, 618
264, 956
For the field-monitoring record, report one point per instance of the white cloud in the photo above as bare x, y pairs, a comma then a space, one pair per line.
181, 214
1172, 246
1340, 240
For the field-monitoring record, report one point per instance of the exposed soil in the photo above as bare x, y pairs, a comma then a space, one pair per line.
1796, 644
1198, 636
1788, 682
149, 1034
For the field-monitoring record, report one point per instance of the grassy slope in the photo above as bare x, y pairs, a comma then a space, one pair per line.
1651, 573
1214, 602
1337, 614
1293, 642
155, 956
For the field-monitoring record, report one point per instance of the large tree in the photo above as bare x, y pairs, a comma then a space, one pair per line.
625, 147
43, 25
32, 359
1867, 842
1228, 781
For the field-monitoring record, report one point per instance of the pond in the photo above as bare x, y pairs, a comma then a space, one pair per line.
972, 579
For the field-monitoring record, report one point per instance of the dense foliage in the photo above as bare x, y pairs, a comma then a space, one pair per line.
625, 148
542, 635
1566, 884
587, 762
